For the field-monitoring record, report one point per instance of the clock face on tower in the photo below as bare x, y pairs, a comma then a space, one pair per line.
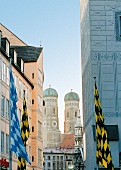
44, 123
54, 123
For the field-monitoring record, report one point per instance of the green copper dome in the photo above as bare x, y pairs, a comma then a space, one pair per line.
71, 96
50, 92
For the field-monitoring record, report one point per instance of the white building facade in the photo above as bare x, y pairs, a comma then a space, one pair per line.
101, 58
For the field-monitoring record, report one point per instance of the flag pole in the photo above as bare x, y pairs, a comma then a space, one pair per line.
97, 168
10, 152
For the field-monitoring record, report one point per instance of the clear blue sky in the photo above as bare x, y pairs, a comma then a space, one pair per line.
56, 24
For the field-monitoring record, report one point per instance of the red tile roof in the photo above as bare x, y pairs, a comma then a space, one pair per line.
68, 142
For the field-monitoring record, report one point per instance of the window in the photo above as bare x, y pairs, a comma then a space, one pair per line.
53, 110
32, 75
39, 103
39, 78
48, 157
22, 65
32, 158
39, 129
39, 156
61, 157
7, 108
3, 106
22, 93
67, 114
32, 128
7, 47
48, 164
8, 76
118, 25
26, 94
2, 142
3, 72
75, 114
30, 152
15, 57
19, 87
19, 116
45, 111
53, 157
7, 144
32, 101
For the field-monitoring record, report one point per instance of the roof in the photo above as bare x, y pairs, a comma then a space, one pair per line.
50, 92
17, 68
28, 53
57, 150
68, 142
71, 96
8, 31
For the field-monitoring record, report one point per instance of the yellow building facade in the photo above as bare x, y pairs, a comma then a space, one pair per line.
27, 68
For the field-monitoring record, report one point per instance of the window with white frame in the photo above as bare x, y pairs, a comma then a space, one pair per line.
7, 108
3, 72
39, 129
22, 66
3, 106
30, 152
39, 156
7, 47
26, 94
40, 78
2, 142
39, 103
7, 144
20, 116
8, 76
20, 88
30, 124
15, 57
16, 80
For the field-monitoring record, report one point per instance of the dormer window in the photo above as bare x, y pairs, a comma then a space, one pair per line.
15, 57
7, 47
22, 65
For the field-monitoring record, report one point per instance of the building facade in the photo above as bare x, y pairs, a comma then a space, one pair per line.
24, 58
52, 134
71, 100
57, 158
101, 58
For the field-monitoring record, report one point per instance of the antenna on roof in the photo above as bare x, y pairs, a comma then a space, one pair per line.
40, 43
71, 90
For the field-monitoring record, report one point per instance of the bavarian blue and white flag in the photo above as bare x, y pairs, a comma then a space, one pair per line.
17, 145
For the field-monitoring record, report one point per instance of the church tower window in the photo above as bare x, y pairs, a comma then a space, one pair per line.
75, 114
45, 111
53, 110
67, 114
